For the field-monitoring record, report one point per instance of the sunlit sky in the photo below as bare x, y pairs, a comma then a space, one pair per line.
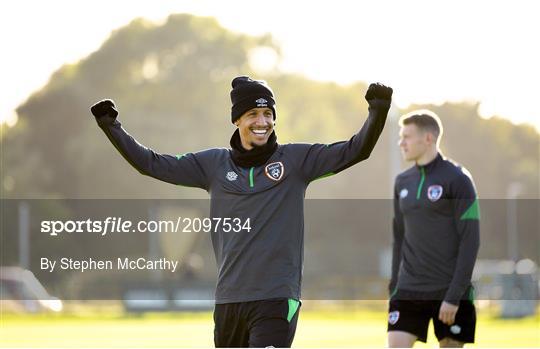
428, 51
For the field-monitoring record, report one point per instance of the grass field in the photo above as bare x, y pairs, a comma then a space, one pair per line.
317, 328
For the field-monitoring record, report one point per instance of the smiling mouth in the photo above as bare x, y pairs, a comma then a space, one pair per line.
260, 132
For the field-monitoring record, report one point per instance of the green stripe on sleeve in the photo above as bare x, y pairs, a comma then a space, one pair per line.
324, 176
178, 157
473, 212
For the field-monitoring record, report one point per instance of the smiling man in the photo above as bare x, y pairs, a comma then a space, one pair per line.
436, 240
258, 187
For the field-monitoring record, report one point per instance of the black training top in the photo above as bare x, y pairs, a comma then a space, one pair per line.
436, 230
261, 259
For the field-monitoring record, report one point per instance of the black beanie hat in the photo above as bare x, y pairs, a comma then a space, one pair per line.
248, 94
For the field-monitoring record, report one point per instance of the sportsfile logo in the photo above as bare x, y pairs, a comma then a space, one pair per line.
261, 102
121, 225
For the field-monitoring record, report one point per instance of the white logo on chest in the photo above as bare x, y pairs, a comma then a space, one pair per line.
403, 193
231, 176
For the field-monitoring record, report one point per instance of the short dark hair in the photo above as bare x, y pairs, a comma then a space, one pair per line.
425, 120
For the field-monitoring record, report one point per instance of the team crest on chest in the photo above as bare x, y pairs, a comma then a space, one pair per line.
434, 192
274, 171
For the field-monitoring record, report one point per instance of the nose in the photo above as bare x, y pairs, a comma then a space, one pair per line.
261, 120
401, 143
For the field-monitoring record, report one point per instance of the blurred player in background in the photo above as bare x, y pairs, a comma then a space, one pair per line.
436, 241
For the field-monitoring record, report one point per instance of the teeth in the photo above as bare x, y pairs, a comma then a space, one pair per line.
259, 132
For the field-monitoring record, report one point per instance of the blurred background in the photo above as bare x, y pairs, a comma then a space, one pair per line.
168, 66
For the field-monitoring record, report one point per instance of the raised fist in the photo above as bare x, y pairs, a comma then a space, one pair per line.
105, 107
379, 91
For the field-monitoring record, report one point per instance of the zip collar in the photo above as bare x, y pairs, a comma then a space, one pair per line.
423, 169
430, 165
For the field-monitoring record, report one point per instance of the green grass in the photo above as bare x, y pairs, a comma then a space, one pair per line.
317, 328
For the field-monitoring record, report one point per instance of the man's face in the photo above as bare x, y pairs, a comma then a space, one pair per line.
255, 127
413, 142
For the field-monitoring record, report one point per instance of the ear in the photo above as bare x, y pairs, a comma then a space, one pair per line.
430, 138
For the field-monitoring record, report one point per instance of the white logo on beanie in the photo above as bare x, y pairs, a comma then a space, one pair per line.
261, 102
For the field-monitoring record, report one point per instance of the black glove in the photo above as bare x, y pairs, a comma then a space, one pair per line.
103, 108
379, 91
